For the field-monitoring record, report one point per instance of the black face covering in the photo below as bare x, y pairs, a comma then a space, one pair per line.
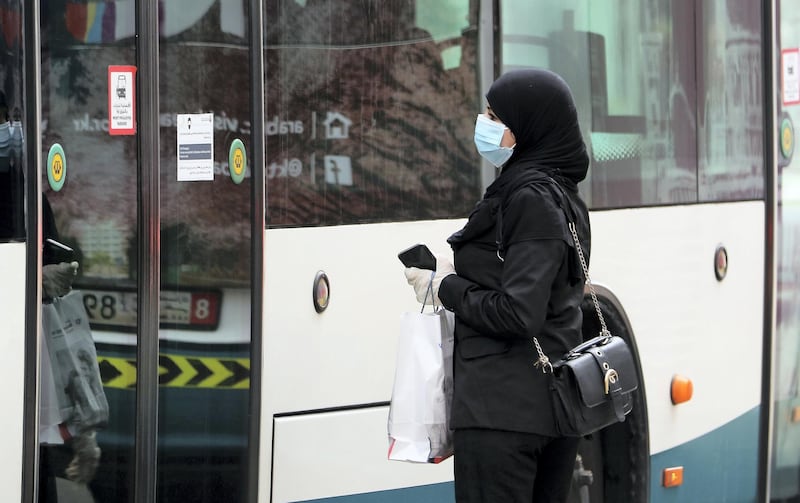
537, 106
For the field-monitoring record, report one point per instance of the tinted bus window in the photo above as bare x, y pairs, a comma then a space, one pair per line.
656, 128
204, 239
370, 111
198, 231
730, 122
12, 185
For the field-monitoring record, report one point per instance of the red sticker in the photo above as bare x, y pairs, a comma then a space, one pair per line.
121, 100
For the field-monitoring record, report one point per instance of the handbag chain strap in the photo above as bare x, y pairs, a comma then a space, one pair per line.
544, 362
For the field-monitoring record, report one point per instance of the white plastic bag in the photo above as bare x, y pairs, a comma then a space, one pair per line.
73, 358
49, 410
419, 414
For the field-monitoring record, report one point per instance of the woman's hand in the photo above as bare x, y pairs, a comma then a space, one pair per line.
57, 279
422, 279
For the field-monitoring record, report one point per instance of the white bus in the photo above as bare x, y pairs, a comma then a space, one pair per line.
238, 244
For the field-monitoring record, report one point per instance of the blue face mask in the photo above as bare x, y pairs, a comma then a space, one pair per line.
488, 135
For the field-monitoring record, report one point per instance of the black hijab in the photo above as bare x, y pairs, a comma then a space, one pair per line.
537, 106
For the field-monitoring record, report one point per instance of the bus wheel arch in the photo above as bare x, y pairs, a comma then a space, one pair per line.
616, 460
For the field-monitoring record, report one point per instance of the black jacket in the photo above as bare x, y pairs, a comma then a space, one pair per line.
501, 304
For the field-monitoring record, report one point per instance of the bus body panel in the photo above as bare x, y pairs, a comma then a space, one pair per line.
12, 372
715, 468
336, 453
659, 262
317, 457
346, 354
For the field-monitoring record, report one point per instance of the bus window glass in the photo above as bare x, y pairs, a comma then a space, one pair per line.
370, 111
12, 185
205, 254
95, 213
204, 349
631, 67
730, 102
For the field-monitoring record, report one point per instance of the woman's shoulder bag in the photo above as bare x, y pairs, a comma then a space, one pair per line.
592, 384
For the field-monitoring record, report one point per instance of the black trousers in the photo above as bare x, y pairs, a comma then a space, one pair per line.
494, 466
53, 461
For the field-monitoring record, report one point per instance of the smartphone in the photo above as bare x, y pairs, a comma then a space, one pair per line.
59, 251
418, 256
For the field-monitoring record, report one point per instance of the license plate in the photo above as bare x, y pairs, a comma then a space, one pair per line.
116, 309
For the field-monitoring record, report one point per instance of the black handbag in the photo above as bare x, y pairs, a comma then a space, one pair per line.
591, 386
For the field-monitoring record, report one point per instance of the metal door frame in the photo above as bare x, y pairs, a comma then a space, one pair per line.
33, 225
148, 253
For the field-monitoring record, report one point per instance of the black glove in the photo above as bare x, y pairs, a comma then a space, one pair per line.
57, 279
86, 457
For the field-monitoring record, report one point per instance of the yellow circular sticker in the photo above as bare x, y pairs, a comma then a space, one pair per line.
237, 161
56, 167
787, 138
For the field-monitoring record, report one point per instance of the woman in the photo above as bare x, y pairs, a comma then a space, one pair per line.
517, 275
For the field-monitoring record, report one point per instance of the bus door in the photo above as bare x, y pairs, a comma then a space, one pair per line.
784, 483
147, 146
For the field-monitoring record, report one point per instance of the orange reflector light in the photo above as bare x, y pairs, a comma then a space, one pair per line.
796, 415
681, 389
673, 476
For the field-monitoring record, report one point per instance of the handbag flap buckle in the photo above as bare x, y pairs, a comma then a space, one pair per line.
611, 377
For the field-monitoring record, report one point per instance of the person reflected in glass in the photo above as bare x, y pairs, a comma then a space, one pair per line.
69, 450
12, 184
516, 276
83, 387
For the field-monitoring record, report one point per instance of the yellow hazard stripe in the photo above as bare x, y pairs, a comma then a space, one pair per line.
124, 378
179, 371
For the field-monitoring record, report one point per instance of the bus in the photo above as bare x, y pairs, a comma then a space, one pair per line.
236, 178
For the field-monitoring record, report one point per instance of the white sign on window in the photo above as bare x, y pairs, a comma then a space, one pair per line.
195, 147
790, 63
338, 170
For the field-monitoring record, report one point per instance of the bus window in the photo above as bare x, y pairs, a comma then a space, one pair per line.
730, 121
12, 184
665, 124
370, 111
630, 65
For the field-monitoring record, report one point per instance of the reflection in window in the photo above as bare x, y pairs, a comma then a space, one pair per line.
205, 236
632, 68
12, 185
730, 105
370, 111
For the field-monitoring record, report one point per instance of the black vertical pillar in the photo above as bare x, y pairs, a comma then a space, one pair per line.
148, 252
257, 212
33, 202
